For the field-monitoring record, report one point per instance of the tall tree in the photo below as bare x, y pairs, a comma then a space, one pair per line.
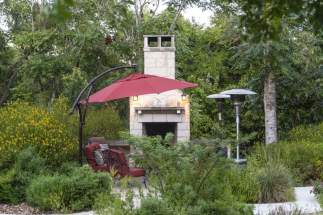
263, 22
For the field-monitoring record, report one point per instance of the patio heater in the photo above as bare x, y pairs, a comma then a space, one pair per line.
219, 98
238, 96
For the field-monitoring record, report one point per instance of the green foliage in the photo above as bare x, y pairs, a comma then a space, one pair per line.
103, 122
321, 199
13, 182
302, 154
114, 204
265, 21
270, 182
318, 191
203, 186
73, 191
23, 125
7, 189
245, 185
275, 184
309, 133
154, 206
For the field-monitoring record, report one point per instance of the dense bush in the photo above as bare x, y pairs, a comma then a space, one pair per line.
23, 125
260, 184
73, 191
7, 189
275, 184
246, 188
311, 133
191, 178
154, 206
302, 154
13, 182
103, 122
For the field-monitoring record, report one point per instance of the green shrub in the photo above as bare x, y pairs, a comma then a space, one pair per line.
219, 207
154, 206
310, 133
7, 189
14, 181
74, 191
301, 153
303, 159
189, 177
103, 122
318, 191
23, 125
244, 184
275, 184
112, 204
321, 200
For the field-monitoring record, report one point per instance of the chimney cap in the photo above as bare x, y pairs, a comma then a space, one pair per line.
159, 35
159, 43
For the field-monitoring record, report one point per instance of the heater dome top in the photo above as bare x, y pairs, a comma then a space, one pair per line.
238, 92
218, 96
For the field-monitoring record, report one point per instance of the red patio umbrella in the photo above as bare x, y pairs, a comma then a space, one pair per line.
133, 85
137, 84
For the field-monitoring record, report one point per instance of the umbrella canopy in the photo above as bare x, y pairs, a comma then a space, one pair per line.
137, 84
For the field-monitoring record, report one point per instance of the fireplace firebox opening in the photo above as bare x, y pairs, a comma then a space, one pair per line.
159, 128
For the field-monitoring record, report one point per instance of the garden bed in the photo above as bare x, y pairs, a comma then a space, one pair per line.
305, 202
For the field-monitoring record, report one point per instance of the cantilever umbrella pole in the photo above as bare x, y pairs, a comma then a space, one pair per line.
78, 105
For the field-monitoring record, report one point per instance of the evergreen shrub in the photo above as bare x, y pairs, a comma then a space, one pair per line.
103, 122
74, 191
275, 184
13, 181
191, 178
302, 154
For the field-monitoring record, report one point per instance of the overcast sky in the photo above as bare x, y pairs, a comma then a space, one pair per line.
198, 15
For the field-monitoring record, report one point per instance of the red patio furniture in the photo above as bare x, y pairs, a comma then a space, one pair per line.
114, 159
89, 153
117, 160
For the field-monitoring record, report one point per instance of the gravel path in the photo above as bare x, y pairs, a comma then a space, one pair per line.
23, 209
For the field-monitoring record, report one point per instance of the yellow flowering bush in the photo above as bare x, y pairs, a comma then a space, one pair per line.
23, 125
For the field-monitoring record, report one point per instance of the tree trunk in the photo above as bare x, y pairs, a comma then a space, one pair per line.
270, 108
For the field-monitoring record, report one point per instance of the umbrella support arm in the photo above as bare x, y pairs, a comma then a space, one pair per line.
93, 80
77, 105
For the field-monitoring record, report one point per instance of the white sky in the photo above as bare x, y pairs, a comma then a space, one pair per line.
198, 15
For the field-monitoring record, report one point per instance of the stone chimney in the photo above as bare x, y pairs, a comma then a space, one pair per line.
159, 55
157, 114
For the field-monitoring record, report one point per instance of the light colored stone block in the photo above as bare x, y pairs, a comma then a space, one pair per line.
137, 132
174, 117
183, 133
137, 126
145, 118
159, 118
183, 126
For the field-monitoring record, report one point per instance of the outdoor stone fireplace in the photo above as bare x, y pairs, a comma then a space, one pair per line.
158, 114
